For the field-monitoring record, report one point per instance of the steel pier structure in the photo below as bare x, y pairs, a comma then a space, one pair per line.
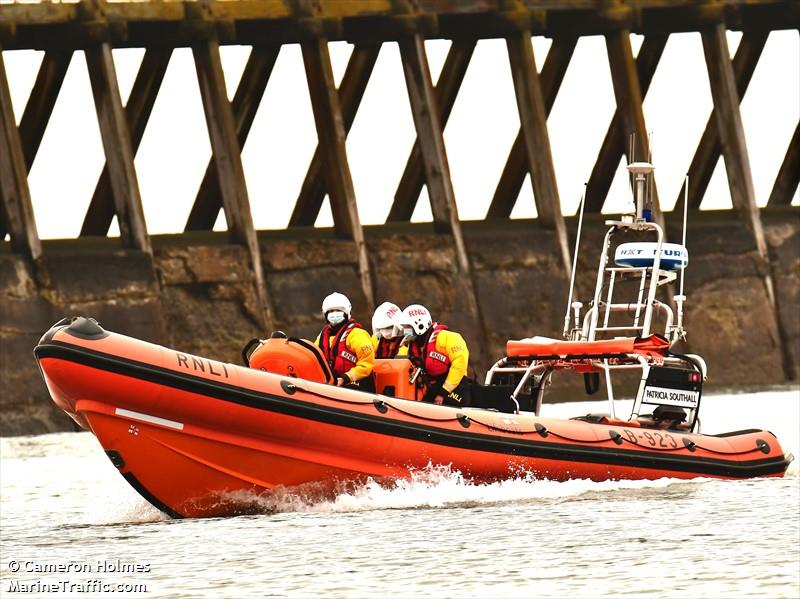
486, 295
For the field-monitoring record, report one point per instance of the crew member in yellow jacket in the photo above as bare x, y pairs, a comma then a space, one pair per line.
440, 353
387, 335
346, 345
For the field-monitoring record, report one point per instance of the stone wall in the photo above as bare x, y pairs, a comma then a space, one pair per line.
783, 237
729, 315
197, 294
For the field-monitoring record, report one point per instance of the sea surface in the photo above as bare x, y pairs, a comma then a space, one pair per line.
71, 526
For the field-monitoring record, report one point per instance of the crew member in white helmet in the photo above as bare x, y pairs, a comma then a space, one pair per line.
442, 355
346, 345
387, 335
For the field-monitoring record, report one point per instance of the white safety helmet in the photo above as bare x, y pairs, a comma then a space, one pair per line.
417, 317
336, 301
384, 321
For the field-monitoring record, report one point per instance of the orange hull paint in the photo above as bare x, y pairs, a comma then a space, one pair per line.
194, 436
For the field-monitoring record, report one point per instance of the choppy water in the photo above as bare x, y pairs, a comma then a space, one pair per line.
62, 504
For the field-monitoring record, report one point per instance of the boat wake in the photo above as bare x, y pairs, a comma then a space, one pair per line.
437, 487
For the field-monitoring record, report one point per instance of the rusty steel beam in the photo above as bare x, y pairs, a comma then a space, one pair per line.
18, 217
737, 162
731, 132
118, 149
422, 98
587, 11
733, 145
429, 134
450, 80
228, 162
351, 91
246, 101
708, 150
615, 144
143, 95
788, 179
224, 143
48, 25
516, 168
533, 122
41, 102
335, 169
628, 94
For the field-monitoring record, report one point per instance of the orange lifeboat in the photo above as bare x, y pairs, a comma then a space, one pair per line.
190, 434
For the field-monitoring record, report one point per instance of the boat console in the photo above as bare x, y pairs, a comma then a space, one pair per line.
622, 334
395, 378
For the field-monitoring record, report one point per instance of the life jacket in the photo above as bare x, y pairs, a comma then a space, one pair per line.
337, 354
435, 364
388, 348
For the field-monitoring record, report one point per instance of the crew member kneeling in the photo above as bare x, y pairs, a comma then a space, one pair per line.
441, 354
347, 347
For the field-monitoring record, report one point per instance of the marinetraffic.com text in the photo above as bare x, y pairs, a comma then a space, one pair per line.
94, 578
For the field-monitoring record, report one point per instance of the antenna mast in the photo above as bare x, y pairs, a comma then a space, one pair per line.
578, 305
680, 298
